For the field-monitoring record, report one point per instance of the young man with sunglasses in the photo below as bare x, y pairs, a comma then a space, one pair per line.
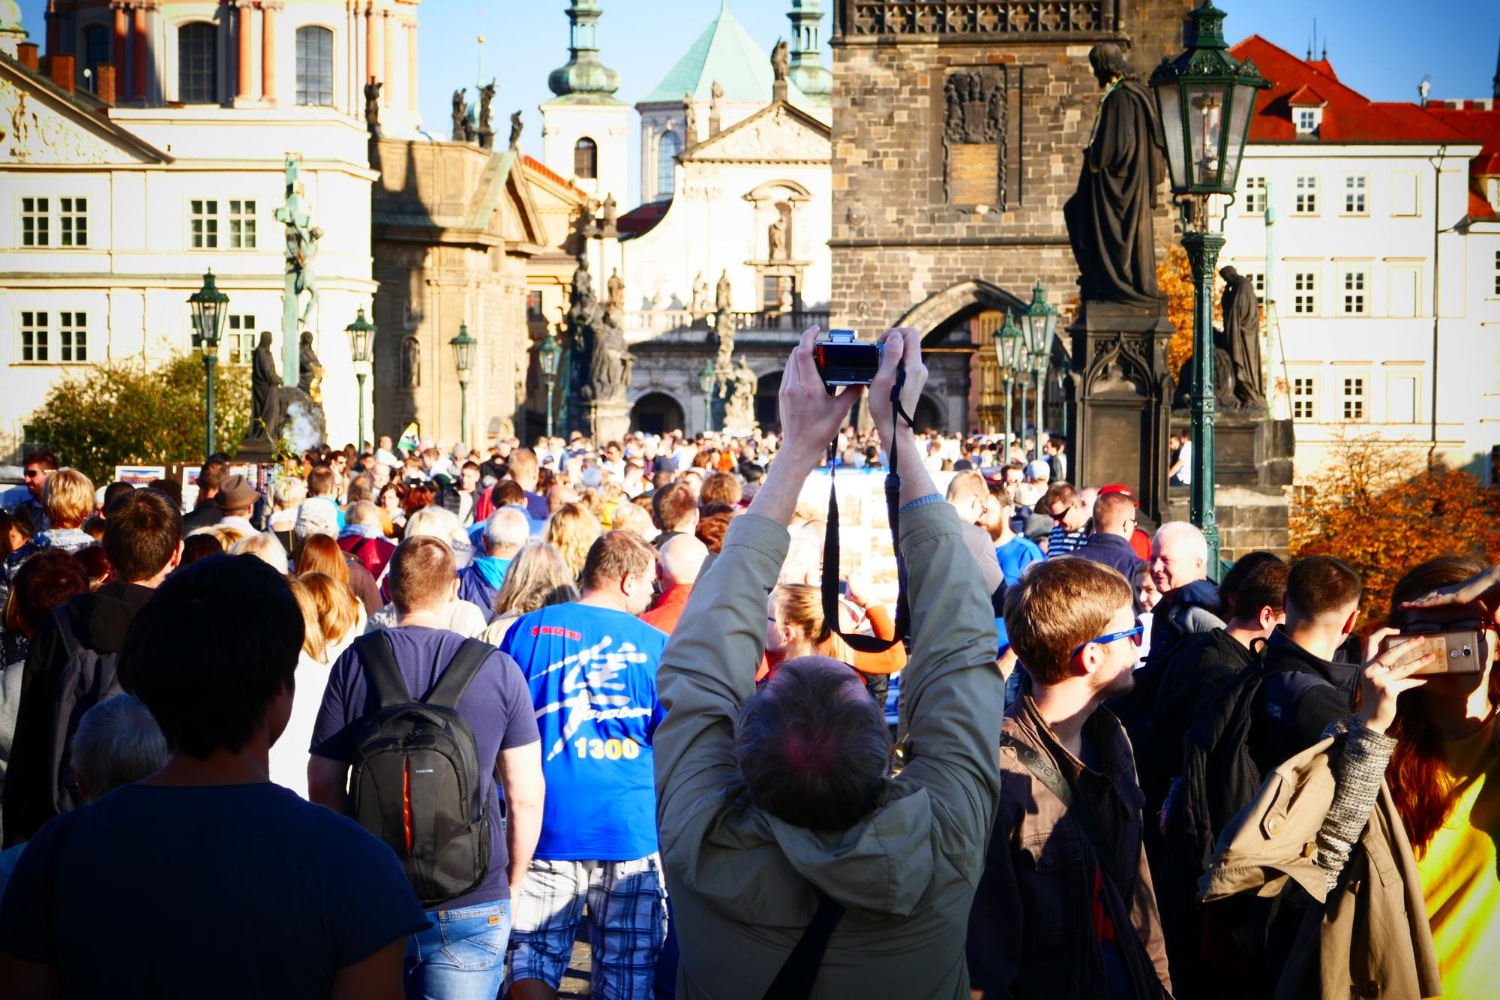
1070, 520
1065, 904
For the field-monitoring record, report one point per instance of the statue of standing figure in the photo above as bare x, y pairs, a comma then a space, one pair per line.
460, 117
776, 239
372, 107
311, 380
265, 399
690, 118
1109, 217
780, 61
701, 305
515, 130
1242, 337
302, 249
615, 302
738, 384
716, 108
486, 131
610, 362
611, 212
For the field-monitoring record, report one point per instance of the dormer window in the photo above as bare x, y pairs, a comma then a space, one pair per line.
1307, 111
1308, 120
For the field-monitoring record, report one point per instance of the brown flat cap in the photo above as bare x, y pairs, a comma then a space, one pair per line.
235, 493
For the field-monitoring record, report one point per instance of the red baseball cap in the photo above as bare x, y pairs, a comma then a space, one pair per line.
1118, 488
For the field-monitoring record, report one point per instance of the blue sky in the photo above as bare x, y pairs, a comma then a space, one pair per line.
1381, 48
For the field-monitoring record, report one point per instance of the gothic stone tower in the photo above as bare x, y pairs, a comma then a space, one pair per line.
958, 133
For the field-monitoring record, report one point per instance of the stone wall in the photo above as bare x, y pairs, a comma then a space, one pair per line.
905, 225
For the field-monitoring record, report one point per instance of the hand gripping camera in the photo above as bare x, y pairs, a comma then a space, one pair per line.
842, 360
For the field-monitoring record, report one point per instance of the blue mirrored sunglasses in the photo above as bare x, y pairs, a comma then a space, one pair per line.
1134, 634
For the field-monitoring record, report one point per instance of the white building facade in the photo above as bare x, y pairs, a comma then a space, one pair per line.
112, 212
1379, 270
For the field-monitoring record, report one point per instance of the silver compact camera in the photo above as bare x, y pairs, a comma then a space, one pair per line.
843, 360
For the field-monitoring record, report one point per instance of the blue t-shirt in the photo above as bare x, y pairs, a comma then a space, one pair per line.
254, 892
1015, 555
496, 706
592, 673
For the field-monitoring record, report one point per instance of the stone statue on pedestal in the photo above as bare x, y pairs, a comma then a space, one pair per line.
515, 130
611, 213
723, 331
1242, 337
265, 387
372, 107
780, 61
311, 380
486, 131
460, 117
716, 109
690, 119
738, 384
701, 305
302, 250
615, 302
776, 239
610, 362
1109, 217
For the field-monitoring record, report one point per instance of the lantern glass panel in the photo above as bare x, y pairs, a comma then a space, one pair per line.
1238, 133
1205, 123
1169, 102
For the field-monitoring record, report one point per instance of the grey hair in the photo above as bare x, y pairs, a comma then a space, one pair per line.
118, 743
363, 512
266, 547
507, 528
440, 522
1186, 532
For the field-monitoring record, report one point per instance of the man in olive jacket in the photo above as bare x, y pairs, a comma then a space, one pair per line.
769, 802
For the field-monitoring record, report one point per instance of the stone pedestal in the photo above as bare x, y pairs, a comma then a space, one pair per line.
299, 426
609, 420
1119, 396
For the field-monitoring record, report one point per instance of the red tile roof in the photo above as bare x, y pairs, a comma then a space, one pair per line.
1306, 97
552, 175
1348, 117
1479, 207
1481, 125
642, 218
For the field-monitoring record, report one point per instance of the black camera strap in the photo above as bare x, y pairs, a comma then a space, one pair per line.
868, 643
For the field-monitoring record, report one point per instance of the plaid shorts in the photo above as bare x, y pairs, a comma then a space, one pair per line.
627, 912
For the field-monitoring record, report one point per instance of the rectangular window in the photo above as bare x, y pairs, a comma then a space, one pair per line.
534, 306
1307, 119
1258, 279
73, 222
204, 215
1307, 195
1304, 397
1404, 291
1401, 400
1354, 293
1354, 397
1354, 195
1305, 293
314, 66
1255, 195
239, 347
35, 220
242, 225
72, 336
1497, 272
34, 337
1404, 189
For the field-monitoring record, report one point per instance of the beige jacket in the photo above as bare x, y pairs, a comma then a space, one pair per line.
1371, 937
743, 883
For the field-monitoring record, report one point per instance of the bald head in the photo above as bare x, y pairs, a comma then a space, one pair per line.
681, 558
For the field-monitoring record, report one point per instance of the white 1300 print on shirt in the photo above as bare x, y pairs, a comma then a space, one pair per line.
591, 674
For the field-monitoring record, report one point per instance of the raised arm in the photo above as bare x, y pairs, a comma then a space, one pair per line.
952, 696
708, 668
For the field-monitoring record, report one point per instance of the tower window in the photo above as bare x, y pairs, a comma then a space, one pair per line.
95, 51
585, 159
198, 63
315, 66
667, 148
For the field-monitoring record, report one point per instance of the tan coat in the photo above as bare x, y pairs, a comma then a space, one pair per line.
1371, 937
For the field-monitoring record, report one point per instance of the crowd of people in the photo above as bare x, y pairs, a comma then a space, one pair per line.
402, 723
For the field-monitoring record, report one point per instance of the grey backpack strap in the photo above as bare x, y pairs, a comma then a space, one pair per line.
459, 674
381, 670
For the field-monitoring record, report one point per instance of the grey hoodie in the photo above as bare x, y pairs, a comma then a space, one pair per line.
742, 881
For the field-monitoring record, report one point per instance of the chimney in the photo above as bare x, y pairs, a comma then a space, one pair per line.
60, 69
104, 83
27, 53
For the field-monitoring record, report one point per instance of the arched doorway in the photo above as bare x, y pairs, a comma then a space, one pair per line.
656, 413
929, 416
766, 388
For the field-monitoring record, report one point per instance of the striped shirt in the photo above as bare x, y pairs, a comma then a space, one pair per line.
1062, 542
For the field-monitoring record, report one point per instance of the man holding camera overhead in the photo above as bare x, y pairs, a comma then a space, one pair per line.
791, 854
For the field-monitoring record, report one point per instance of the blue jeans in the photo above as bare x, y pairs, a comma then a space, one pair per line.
461, 956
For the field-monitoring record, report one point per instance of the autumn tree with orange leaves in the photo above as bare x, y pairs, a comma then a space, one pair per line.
1174, 278
1384, 512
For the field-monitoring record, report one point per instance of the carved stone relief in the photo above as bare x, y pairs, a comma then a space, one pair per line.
974, 138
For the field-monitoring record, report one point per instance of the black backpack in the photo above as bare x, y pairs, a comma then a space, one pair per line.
88, 677
1219, 778
417, 780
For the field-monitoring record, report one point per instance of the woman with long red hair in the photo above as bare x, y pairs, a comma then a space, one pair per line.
1407, 840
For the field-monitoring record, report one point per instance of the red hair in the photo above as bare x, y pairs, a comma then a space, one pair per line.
1424, 797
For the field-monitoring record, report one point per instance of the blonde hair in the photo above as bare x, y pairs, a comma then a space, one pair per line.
634, 519
800, 605
228, 535
265, 546
313, 643
536, 578
289, 492
68, 498
338, 610
572, 529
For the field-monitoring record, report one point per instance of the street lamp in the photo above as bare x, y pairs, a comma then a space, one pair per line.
706, 380
210, 310
549, 354
361, 341
1206, 98
463, 359
1010, 347
1040, 321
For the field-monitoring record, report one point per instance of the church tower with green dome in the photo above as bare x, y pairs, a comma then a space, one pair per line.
807, 69
584, 127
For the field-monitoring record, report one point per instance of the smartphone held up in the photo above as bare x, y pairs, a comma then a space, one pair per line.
1458, 652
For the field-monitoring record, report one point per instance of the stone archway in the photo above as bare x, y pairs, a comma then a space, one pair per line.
936, 312
766, 414
657, 413
928, 416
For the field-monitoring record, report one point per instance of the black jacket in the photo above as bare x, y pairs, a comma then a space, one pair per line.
1113, 551
1170, 619
205, 515
1197, 668
1295, 705
29, 782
